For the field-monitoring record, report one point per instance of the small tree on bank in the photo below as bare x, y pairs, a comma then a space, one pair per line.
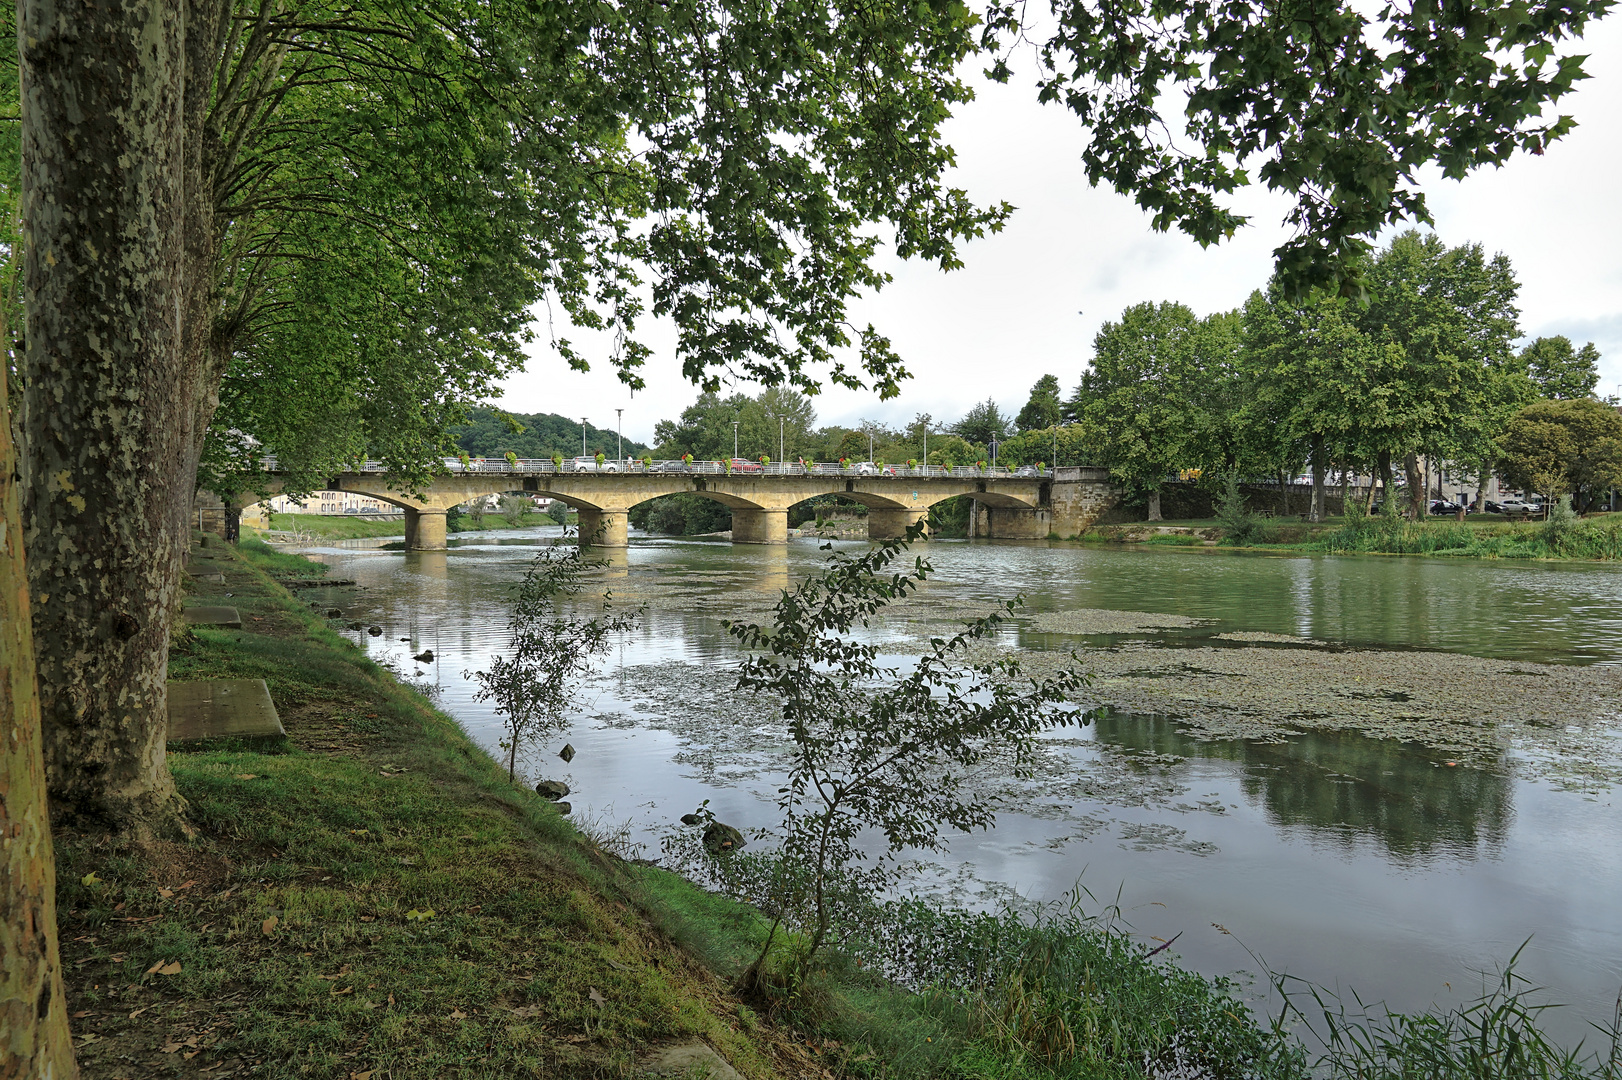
549, 648
876, 749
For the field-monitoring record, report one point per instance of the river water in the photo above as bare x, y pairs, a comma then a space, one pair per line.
1362, 864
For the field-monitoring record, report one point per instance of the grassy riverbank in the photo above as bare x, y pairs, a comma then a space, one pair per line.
374, 900
1598, 537
348, 527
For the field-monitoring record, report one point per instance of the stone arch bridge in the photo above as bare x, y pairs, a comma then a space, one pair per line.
1056, 502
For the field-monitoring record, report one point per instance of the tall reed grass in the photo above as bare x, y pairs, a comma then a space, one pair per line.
921, 989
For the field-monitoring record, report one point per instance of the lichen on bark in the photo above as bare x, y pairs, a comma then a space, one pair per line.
112, 394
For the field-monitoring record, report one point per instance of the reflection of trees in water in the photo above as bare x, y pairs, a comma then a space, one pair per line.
1342, 784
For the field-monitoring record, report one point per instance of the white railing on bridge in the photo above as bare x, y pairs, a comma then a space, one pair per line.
740, 467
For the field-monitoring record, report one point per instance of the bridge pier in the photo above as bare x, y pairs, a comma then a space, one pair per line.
1017, 523
885, 524
759, 526
425, 528
603, 528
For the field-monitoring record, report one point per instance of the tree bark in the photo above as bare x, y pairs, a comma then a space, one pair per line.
1384, 467
113, 394
1316, 511
1154, 506
1416, 486
34, 1037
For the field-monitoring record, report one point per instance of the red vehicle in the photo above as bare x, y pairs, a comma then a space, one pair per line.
745, 465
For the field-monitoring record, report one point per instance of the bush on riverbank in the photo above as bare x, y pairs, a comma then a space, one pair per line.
1557, 538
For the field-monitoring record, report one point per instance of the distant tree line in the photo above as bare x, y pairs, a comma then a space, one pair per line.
490, 433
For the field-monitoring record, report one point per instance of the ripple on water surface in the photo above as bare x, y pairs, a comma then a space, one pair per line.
1234, 774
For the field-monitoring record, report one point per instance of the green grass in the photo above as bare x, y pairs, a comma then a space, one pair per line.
1597, 538
335, 526
291, 915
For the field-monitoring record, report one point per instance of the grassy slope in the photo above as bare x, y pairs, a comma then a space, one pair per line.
1595, 537
290, 916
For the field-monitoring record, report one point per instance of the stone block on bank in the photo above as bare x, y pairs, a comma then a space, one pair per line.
208, 615
232, 709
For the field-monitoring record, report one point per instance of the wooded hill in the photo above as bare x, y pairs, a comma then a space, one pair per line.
491, 434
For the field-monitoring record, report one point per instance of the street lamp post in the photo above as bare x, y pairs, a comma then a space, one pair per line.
582, 436
994, 445
782, 443
734, 440
619, 433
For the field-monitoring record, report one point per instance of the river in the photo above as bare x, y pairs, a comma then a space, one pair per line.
1400, 868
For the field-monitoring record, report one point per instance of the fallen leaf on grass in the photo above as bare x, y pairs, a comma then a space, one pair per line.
191, 1054
597, 996
457, 1014
162, 968
170, 1049
166, 893
419, 916
366, 1075
139, 1011
246, 776
90, 879
80, 1015
335, 992
185, 885
616, 964
268, 927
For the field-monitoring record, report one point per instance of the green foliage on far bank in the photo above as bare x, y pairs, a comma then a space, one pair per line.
1557, 538
490, 434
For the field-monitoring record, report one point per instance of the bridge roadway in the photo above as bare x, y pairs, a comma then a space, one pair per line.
1007, 505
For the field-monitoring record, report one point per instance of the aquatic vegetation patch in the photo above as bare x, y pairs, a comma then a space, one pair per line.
1469, 709
1106, 621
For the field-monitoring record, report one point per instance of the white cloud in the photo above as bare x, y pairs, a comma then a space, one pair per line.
1011, 315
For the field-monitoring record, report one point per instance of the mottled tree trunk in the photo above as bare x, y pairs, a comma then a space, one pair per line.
34, 1038
1416, 486
1316, 513
1154, 506
1383, 466
114, 378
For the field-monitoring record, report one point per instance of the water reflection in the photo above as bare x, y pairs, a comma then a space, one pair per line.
1345, 787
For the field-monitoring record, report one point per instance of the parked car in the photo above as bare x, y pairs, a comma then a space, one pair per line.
675, 466
1444, 506
745, 465
1027, 470
1514, 507
589, 464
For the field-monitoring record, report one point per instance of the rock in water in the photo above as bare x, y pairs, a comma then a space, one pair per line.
691, 819
562, 807
375, 631
721, 838
334, 613
552, 789
424, 657
567, 753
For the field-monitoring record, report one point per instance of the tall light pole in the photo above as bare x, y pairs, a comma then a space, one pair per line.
619, 433
782, 443
734, 440
582, 436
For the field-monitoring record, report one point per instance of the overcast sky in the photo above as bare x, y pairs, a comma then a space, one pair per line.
1030, 299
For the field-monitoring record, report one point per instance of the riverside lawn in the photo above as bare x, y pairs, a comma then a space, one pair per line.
374, 900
